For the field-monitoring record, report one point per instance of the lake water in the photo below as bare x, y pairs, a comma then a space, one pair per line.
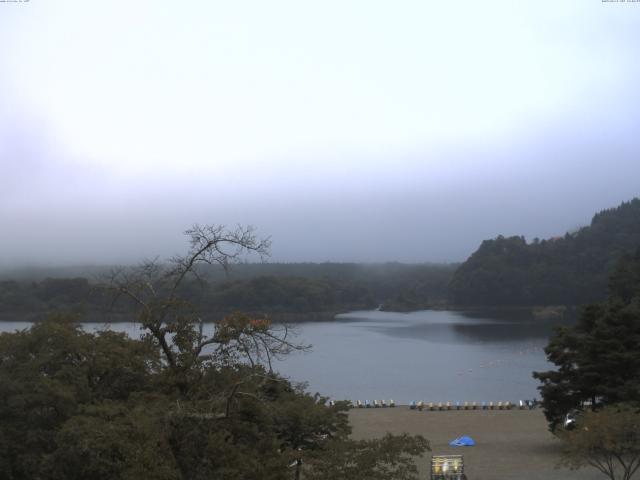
429, 355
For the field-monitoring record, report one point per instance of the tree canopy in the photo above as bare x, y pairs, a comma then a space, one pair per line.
598, 359
567, 270
176, 403
293, 292
608, 440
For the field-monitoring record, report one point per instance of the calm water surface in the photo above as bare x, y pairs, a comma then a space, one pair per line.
427, 355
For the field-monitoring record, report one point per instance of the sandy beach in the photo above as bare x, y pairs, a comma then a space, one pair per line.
513, 444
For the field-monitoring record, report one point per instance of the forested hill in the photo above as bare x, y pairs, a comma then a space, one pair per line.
569, 270
292, 292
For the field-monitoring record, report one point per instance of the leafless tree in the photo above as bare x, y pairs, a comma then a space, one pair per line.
176, 326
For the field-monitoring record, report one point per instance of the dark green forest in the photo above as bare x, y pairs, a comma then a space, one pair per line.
506, 271
597, 360
568, 270
293, 292
76, 405
175, 404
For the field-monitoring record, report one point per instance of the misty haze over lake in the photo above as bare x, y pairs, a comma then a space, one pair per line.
215, 216
408, 133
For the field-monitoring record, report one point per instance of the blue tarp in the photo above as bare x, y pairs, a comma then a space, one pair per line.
463, 441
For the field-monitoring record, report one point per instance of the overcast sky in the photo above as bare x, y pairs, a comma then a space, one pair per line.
347, 130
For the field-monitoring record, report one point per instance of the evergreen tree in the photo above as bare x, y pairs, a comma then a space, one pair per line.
598, 360
568, 270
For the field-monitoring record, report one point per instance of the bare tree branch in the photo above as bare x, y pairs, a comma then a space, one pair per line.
175, 325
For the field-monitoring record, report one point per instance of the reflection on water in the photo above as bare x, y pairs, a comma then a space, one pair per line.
427, 355
455, 327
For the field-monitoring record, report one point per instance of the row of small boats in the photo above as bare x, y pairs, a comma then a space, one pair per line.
521, 405
375, 404
432, 406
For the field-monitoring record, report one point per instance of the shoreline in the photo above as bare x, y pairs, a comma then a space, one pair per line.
537, 313
509, 443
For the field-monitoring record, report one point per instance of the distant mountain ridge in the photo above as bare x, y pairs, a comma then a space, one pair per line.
569, 270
